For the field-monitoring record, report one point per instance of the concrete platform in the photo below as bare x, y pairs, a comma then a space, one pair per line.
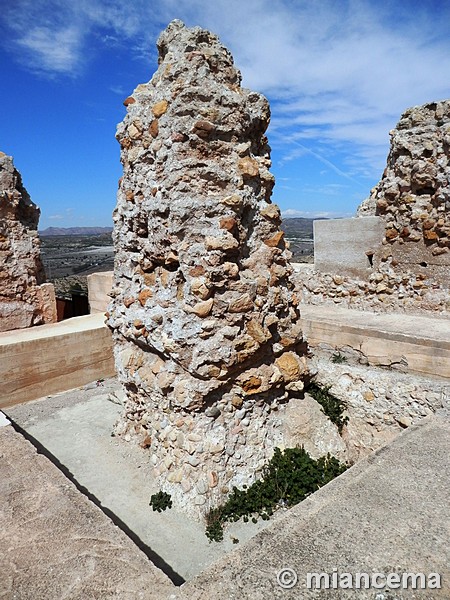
389, 513
43, 360
415, 344
75, 429
55, 544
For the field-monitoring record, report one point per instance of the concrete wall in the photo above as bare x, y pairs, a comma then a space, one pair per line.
53, 358
342, 245
99, 286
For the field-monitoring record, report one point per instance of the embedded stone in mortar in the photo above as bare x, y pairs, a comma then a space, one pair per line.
24, 299
205, 322
413, 195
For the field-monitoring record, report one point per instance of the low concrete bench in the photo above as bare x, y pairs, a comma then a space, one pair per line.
417, 344
44, 360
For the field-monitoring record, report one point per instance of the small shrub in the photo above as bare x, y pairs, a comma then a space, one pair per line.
160, 501
289, 477
333, 407
338, 358
214, 526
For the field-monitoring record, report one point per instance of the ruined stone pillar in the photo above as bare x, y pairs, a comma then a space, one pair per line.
24, 299
206, 325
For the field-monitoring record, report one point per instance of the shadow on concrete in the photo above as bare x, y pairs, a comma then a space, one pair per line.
157, 560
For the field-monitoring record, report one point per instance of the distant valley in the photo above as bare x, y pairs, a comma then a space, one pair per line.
52, 231
70, 254
293, 227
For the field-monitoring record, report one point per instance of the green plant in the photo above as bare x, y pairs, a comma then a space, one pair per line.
214, 528
333, 407
160, 501
338, 358
289, 477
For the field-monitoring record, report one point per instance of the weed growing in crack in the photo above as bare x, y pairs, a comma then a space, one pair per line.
338, 358
160, 501
333, 407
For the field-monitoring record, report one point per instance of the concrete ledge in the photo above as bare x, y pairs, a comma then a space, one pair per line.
53, 358
388, 513
54, 543
414, 344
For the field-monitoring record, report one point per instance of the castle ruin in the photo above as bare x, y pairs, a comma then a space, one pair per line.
25, 299
205, 322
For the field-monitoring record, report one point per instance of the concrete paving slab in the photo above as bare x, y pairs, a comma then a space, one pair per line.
75, 427
388, 513
55, 544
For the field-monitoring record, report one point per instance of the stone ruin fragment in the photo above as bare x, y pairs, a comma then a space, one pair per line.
406, 242
413, 195
205, 323
25, 299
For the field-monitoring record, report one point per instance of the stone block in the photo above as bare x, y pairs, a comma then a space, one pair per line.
99, 286
345, 246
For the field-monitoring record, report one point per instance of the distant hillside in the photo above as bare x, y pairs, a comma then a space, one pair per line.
75, 231
293, 227
297, 227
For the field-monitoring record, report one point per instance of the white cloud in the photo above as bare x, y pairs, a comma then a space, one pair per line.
52, 37
291, 213
51, 51
117, 89
338, 74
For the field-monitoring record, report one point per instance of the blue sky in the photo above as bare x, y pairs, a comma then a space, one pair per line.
337, 73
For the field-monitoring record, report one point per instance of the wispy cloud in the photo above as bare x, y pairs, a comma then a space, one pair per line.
43, 35
66, 214
300, 150
291, 213
52, 37
117, 89
338, 74
50, 51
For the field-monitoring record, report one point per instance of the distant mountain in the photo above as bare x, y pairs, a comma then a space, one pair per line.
298, 227
293, 227
75, 231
